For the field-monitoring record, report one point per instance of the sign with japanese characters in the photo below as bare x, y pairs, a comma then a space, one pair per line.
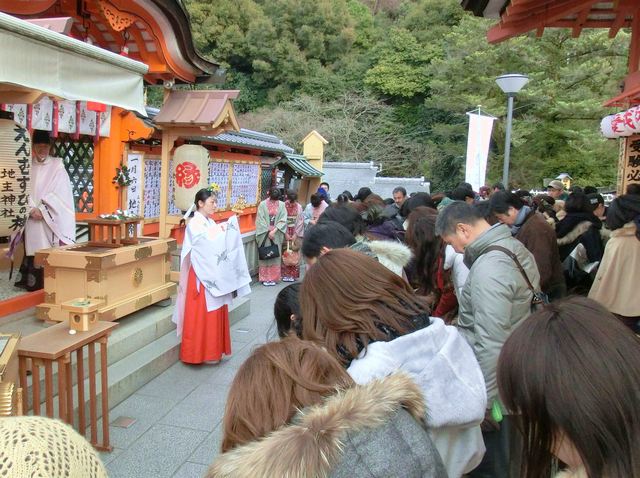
239, 184
15, 169
244, 183
630, 163
151, 192
134, 191
219, 173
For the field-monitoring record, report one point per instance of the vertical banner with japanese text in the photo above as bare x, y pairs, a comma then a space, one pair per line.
630, 163
15, 171
479, 136
134, 190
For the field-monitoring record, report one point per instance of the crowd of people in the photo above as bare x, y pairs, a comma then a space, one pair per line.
447, 335
506, 319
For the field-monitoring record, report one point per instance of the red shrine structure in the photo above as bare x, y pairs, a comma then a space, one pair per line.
95, 138
517, 17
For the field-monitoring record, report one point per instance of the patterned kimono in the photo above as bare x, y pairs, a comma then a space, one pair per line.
271, 215
295, 231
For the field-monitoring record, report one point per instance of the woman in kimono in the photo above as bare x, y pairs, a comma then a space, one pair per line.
271, 224
293, 234
213, 270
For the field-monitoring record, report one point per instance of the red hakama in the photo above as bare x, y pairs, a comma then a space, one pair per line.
205, 335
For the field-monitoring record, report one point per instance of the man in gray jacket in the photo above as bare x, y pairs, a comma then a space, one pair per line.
494, 301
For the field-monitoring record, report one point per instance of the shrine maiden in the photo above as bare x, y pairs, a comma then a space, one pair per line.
213, 269
52, 218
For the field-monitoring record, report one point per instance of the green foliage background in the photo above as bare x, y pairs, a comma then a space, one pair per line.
390, 81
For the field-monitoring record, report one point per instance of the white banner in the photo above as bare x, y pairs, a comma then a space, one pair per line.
134, 163
480, 127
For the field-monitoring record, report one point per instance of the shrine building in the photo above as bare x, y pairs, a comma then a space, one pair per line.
97, 138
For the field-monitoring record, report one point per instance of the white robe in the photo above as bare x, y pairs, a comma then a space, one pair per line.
52, 194
216, 253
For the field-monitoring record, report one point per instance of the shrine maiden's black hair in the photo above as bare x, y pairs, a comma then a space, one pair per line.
203, 195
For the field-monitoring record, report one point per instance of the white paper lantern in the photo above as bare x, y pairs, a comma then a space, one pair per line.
605, 127
621, 124
15, 174
190, 173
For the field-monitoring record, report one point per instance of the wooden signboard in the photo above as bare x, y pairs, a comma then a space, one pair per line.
134, 190
15, 168
629, 166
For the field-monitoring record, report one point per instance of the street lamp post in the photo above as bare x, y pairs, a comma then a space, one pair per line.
510, 84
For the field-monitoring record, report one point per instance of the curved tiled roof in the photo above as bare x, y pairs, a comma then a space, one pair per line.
255, 139
300, 165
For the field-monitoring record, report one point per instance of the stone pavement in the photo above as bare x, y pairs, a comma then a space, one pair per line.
178, 414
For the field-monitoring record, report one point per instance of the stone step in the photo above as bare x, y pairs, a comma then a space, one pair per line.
138, 351
133, 332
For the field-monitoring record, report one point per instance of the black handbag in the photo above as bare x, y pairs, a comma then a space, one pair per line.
266, 253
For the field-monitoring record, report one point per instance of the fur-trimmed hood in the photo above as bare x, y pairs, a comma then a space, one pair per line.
314, 443
391, 254
575, 233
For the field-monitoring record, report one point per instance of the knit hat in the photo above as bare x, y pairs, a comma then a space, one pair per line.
39, 446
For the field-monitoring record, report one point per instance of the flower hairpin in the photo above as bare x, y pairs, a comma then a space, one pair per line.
214, 188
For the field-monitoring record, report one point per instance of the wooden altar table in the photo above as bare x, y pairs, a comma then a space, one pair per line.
56, 345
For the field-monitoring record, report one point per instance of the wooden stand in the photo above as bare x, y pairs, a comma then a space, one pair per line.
82, 313
113, 232
56, 345
125, 279
10, 393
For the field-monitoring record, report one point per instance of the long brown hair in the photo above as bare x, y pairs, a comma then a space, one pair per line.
427, 247
277, 380
573, 370
349, 299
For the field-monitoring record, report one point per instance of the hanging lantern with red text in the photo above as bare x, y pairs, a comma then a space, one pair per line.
190, 173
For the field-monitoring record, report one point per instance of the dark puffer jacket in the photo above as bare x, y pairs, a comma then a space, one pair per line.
580, 228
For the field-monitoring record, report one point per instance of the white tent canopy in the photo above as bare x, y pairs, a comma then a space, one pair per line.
36, 61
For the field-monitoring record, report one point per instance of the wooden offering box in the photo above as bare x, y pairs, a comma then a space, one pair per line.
125, 279
113, 232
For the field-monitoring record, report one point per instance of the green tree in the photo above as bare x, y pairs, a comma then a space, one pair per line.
399, 66
390, 81
556, 115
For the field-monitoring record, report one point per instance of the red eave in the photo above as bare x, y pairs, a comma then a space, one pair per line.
626, 99
631, 94
522, 16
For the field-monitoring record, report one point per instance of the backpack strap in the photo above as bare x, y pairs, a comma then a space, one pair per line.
517, 262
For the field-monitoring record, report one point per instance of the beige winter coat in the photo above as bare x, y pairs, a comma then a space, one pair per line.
616, 282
